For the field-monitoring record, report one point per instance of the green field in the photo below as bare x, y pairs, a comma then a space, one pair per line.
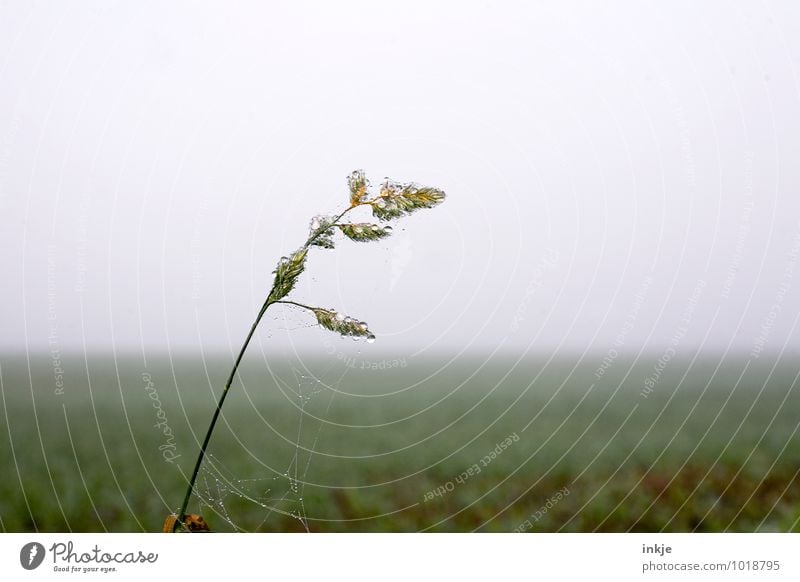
323, 446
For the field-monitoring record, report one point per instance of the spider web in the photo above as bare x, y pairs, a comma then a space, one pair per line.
281, 492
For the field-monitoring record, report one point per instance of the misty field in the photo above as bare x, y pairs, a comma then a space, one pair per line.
402, 445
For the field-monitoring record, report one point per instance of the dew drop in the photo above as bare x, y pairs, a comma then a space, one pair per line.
380, 203
387, 229
371, 338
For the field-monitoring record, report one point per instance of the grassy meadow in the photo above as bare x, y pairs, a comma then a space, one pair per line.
416, 444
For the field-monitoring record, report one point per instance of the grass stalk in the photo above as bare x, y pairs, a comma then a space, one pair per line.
393, 201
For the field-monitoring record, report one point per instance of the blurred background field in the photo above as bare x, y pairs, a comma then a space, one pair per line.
357, 445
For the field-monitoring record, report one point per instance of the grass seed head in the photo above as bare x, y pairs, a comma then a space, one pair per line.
358, 185
364, 231
343, 325
287, 273
321, 232
396, 200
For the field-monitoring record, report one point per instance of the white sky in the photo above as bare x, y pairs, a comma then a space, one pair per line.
156, 161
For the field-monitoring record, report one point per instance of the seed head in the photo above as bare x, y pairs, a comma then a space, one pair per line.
287, 273
358, 184
348, 326
395, 200
321, 232
364, 231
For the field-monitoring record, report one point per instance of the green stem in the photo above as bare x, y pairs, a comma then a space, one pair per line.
204, 446
295, 303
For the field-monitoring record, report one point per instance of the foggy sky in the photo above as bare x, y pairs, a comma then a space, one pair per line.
619, 177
